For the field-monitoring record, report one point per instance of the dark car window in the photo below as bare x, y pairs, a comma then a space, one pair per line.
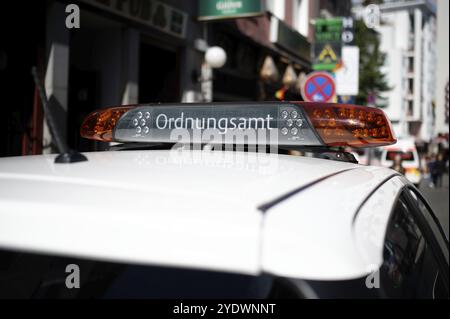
26, 275
431, 221
410, 268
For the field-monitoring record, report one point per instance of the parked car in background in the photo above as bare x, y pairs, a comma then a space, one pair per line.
406, 148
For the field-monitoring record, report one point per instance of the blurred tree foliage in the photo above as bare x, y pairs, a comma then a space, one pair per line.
372, 81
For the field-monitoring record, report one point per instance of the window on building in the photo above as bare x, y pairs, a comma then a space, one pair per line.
410, 108
411, 64
276, 7
301, 16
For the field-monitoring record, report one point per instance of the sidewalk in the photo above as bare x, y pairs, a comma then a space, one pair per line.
439, 201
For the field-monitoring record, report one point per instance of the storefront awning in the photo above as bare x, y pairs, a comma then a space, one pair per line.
277, 37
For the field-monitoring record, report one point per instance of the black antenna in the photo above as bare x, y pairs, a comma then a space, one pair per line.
66, 155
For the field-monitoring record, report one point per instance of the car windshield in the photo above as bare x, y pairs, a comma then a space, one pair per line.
406, 156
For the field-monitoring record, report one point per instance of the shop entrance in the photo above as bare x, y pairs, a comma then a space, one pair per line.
83, 99
158, 75
95, 74
21, 47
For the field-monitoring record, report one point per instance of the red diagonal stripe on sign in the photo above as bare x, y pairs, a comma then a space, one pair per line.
319, 88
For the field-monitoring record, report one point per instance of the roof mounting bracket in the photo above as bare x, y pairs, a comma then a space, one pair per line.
335, 154
339, 156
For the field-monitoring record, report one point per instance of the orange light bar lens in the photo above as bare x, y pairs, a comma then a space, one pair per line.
99, 125
350, 125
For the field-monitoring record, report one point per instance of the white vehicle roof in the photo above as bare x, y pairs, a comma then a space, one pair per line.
403, 144
229, 211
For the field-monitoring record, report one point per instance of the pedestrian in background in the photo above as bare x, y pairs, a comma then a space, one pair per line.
432, 168
424, 167
440, 169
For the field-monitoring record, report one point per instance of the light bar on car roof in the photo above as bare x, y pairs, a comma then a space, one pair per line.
291, 123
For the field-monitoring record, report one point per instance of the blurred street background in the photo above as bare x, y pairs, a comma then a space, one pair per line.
438, 199
391, 54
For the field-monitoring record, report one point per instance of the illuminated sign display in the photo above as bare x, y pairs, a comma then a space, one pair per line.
259, 123
234, 122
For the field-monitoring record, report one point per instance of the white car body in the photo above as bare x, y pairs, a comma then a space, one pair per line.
248, 213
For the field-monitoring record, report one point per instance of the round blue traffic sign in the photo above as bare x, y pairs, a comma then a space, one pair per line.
319, 87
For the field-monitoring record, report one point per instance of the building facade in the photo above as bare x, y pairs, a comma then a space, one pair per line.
128, 52
408, 35
442, 107
125, 52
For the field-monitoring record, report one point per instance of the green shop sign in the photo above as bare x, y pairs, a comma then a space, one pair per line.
327, 44
328, 30
226, 9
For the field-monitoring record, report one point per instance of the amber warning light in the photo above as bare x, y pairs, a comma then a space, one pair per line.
281, 123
